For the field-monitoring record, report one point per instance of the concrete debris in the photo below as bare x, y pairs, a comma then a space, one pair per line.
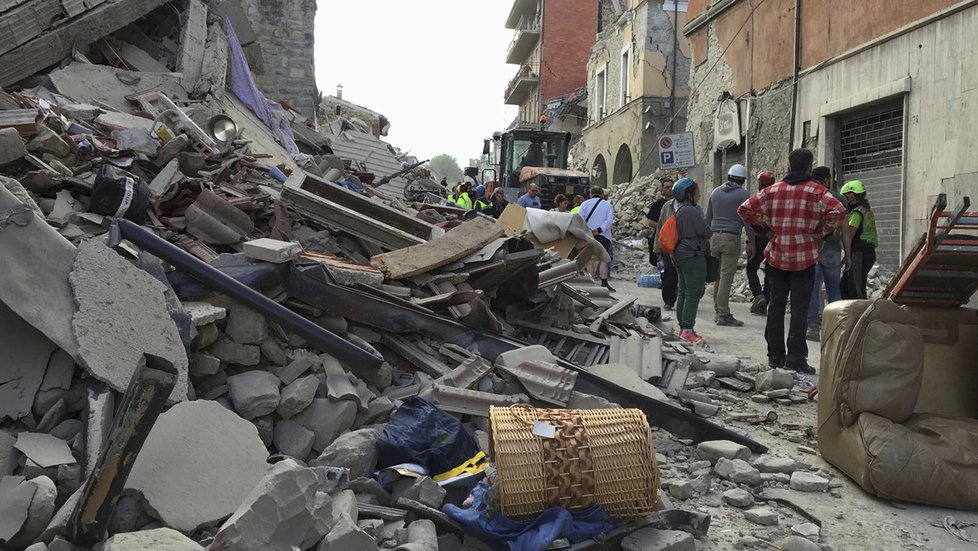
40, 509
9, 456
128, 515
197, 465
287, 509
738, 471
347, 536
11, 146
771, 464
292, 439
765, 516
355, 450
44, 450
16, 495
122, 317
548, 382
158, 539
24, 355
738, 498
651, 539
236, 354
202, 313
245, 326
798, 543
424, 490
803, 481
272, 250
327, 420
774, 379
713, 450
254, 393
297, 395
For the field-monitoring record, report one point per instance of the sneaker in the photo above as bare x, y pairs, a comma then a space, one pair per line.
690, 336
759, 306
727, 320
801, 368
814, 333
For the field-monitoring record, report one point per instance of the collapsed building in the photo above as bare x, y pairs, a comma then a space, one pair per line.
216, 314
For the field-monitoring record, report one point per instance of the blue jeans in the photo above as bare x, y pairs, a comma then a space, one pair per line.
832, 278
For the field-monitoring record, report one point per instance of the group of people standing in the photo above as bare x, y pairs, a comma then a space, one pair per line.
806, 235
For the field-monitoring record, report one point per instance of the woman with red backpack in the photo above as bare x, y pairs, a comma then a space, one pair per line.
685, 236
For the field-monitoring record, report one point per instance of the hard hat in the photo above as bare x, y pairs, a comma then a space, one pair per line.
765, 179
854, 186
738, 171
679, 188
479, 190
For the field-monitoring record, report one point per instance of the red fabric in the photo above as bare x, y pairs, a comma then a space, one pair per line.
799, 216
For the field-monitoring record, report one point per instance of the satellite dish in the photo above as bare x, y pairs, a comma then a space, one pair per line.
222, 128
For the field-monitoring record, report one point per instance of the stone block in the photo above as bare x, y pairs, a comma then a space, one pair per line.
347, 536
738, 471
713, 450
424, 490
273, 352
328, 420
9, 456
297, 396
160, 539
235, 354
357, 451
202, 365
48, 141
198, 464
765, 516
254, 393
807, 530
803, 481
245, 326
40, 509
272, 250
774, 379
293, 439
202, 313
303, 362
738, 497
11, 146
771, 464
651, 539
286, 510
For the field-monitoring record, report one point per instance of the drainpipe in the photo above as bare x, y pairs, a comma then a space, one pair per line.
675, 57
794, 79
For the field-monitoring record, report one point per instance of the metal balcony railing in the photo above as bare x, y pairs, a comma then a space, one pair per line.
526, 71
527, 24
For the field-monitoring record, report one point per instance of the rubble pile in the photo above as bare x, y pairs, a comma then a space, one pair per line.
632, 201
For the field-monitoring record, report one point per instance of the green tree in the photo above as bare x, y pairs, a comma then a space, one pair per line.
445, 166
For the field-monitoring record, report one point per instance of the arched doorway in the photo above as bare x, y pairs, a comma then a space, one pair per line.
623, 165
599, 172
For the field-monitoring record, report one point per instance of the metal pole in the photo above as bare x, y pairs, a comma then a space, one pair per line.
794, 80
148, 390
343, 350
675, 58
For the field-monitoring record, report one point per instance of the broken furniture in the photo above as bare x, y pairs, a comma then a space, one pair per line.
897, 408
943, 267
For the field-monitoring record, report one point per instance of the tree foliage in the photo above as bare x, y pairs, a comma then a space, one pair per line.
445, 166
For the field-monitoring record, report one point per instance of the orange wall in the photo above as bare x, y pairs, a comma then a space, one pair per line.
569, 30
829, 28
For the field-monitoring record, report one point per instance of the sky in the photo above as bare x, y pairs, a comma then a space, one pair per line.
436, 68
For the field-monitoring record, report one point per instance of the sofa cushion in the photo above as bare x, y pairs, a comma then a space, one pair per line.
882, 365
928, 459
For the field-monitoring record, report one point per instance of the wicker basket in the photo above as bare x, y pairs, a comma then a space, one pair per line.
597, 456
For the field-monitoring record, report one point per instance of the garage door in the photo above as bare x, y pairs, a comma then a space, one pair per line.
872, 151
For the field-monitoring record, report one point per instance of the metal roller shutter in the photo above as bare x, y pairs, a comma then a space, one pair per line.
872, 151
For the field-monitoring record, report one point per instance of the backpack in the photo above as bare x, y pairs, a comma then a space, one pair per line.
668, 234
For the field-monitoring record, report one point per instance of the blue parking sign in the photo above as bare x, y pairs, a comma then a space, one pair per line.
666, 158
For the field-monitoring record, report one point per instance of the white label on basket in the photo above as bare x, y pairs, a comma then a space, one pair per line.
545, 430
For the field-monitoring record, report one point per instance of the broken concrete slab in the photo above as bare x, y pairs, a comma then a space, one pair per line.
624, 376
9, 456
44, 450
347, 536
280, 513
713, 450
328, 420
203, 365
24, 356
423, 536
254, 393
122, 317
803, 481
47, 141
798, 543
246, 326
338, 384
292, 439
235, 354
424, 490
198, 464
738, 497
774, 379
302, 361
457, 243
273, 352
202, 313
16, 494
298, 395
11, 146
535, 353
271, 250
159, 539
651, 539
36, 286
771, 464
765, 516
738, 471
355, 450
39, 513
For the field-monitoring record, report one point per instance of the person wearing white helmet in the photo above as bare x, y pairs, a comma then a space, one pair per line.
728, 227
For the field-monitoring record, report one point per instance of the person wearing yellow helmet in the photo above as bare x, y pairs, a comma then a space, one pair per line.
863, 240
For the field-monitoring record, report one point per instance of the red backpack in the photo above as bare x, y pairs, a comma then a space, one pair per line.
669, 234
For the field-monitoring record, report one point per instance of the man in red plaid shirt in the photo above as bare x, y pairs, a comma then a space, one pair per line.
799, 213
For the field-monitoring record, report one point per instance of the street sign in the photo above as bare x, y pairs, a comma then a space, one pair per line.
676, 150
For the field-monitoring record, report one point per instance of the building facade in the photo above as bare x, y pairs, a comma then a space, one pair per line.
638, 78
891, 103
551, 44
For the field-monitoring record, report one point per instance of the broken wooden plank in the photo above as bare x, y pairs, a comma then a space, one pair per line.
457, 243
52, 47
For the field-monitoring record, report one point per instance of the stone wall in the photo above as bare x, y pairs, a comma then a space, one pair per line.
285, 39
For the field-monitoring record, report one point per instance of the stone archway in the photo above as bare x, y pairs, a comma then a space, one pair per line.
623, 165
599, 172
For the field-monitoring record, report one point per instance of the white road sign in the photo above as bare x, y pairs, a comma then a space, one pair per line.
676, 150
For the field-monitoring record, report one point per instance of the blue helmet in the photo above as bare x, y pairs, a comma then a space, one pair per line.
680, 188
480, 190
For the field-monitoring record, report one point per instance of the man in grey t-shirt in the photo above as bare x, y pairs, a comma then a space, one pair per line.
727, 226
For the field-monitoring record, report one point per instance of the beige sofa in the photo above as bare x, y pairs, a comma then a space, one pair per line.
898, 400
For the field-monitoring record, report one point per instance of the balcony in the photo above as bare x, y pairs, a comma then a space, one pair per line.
525, 82
521, 8
526, 36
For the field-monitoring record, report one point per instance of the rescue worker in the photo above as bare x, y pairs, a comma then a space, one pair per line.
464, 199
497, 204
727, 226
578, 201
863, 240
480, 201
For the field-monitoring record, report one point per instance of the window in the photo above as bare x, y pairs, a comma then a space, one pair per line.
600, 94
624, 99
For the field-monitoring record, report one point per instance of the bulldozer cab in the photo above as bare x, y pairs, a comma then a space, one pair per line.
546, 154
